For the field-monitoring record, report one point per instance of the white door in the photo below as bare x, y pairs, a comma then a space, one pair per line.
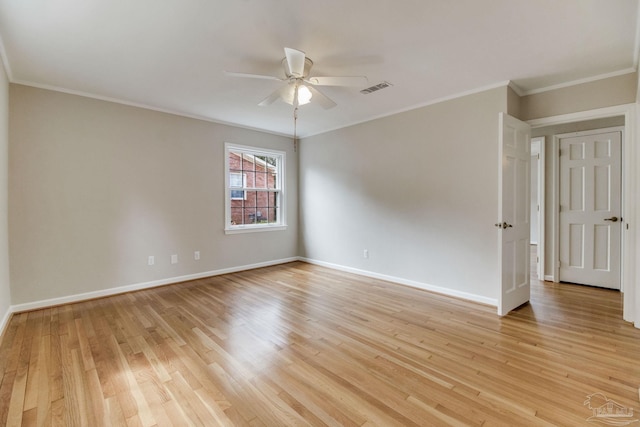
590, 207
514, 210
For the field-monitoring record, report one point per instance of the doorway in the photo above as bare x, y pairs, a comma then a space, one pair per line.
590, 188
550, 250
538, 156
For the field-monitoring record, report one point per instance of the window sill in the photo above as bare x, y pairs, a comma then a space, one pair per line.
253, 228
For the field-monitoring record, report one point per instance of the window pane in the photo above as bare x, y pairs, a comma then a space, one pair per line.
248, 163
272, 218
273, 172
237, 216
262, 199
251, 179
235, 164
250, 215
271, 161
261, 179
251, 199
273, 206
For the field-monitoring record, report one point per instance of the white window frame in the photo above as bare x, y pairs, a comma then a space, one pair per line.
279, 188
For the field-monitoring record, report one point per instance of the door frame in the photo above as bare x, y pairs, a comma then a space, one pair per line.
628, 283
541, 141
556, 200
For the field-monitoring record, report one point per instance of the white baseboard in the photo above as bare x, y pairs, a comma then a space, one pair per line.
5, 321
427, 287
36, 305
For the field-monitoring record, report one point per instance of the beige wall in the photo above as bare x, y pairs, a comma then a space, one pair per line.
97, 187
602, 93
418, 190
513, 103
5, 290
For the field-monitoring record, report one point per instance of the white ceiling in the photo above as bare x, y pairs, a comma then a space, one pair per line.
170, 55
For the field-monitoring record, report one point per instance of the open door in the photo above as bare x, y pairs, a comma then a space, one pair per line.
514, 212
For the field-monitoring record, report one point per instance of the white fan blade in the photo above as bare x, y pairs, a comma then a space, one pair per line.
284, 93
321, 98
339, 81
295, 61
252, 76
270, 99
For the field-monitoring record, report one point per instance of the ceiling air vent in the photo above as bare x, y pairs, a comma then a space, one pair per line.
375, 88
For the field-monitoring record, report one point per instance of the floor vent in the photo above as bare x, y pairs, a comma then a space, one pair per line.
375, 88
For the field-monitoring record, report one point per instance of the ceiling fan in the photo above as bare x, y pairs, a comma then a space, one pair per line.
300, 89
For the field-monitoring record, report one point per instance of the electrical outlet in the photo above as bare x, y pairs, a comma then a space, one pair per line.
151, 260
365, 253
196, 255
174, 259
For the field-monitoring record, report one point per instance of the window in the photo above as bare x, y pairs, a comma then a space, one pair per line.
254, 196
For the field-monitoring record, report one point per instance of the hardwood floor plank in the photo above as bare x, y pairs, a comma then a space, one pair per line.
6, 390
34, 369
114, 416
299, 344
43, 404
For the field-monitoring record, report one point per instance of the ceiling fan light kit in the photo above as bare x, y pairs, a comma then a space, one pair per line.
303, 95
291, 93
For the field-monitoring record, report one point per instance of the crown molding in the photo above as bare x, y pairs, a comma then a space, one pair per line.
580, 81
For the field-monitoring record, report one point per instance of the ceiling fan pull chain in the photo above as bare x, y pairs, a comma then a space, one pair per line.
295, 130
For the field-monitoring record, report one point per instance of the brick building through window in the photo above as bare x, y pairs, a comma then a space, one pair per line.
253, 188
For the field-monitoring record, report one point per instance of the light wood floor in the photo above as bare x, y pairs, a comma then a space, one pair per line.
299, 344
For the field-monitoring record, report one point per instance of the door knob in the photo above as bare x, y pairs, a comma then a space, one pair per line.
503, 225
613, 219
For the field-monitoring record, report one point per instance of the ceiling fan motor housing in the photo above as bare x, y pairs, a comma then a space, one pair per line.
308, 63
